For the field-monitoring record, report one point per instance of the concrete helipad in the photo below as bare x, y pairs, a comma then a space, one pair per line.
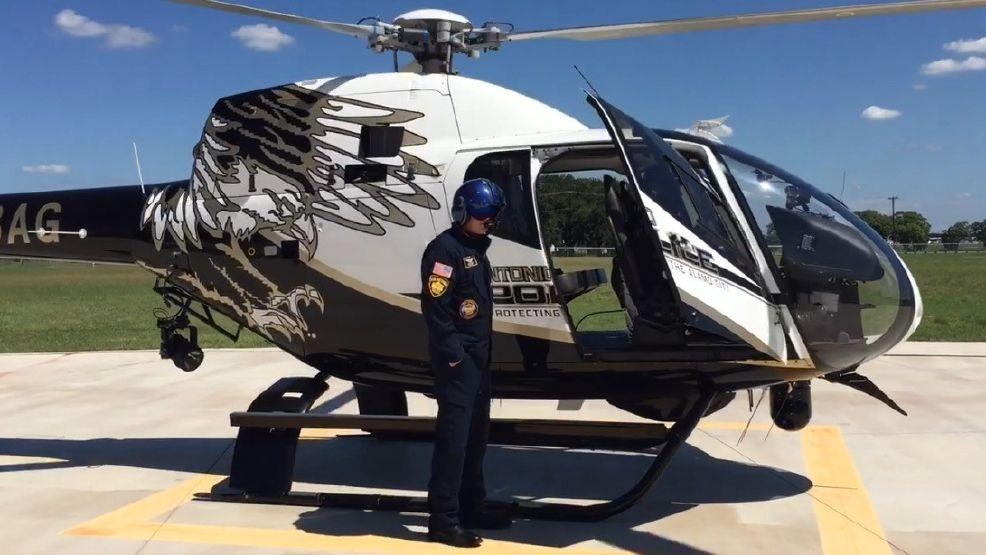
103, 453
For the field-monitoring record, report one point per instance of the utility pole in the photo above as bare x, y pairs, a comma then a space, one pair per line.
893, 218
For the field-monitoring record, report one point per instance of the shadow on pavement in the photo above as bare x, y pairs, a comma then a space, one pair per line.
694, 478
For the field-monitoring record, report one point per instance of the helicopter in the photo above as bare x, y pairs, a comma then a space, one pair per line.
309, 205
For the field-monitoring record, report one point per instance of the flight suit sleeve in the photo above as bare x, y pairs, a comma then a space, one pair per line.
438, 280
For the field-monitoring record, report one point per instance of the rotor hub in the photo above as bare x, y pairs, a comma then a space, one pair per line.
433, 37
428, 18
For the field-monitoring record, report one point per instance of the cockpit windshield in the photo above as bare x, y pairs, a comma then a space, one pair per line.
851, 295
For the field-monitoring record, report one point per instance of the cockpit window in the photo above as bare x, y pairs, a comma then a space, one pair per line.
694, 201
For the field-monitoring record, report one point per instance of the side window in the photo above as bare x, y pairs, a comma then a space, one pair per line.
512, 172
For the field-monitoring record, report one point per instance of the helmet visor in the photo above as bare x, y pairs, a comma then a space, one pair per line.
486, 212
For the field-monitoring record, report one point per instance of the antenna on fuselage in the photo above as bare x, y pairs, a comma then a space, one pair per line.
140, 175
586, 79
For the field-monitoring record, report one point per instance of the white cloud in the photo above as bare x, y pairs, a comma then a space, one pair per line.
262, 37
123, 36
78, 25
115, 36
723, 131
46, 168
919, 86
967, 46
877, 113
714, 129
949, 65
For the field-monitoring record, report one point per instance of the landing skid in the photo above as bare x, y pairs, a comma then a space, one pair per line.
263, 458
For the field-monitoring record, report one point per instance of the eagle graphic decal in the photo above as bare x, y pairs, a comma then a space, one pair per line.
269, 168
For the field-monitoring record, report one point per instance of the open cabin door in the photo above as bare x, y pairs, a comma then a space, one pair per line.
677, 238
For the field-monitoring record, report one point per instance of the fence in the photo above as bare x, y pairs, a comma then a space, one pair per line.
583, 251
940, 247
922, 248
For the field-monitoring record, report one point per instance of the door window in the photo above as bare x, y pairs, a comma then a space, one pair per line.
512, 172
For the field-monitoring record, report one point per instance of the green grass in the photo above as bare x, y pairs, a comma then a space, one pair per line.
81, 307
601, 299
953, 287
74, 307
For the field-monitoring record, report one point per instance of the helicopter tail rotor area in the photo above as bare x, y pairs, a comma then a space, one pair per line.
433, 36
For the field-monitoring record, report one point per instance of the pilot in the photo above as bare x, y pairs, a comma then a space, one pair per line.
457, 304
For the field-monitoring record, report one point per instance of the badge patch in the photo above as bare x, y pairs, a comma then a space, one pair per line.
442, 270
468, 309
437, 285
470, 262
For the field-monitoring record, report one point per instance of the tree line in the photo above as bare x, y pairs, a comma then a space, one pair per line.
572, 211
573, 214
913, 227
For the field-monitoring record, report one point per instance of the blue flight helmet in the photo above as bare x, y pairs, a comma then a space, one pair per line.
478, 198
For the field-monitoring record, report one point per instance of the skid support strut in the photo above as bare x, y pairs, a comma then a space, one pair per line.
263, 460
677, 435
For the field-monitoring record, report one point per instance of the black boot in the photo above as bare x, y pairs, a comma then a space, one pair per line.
456, 536
488, 519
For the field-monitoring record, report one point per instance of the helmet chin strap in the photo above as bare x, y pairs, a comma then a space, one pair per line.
467, 233
462, 227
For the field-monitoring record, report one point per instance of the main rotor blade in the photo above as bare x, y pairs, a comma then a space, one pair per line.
344, 28
628, 30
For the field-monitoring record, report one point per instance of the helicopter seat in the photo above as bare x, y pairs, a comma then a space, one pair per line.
644, 330
617, 219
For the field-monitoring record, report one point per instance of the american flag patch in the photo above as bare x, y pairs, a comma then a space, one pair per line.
442, 270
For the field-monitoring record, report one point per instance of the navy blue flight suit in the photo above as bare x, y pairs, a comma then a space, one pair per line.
457, 304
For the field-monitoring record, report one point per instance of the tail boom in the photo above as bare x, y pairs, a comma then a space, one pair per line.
97, 225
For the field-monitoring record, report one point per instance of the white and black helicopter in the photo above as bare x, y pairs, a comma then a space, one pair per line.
309, 205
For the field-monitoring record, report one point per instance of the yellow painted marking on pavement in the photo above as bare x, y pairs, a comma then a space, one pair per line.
137, 521
301, 540
145, 509
325, 433
847, 521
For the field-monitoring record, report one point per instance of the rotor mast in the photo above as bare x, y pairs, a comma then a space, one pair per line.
433, 37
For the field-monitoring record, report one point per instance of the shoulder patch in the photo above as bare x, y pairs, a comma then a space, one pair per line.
437, 285
468, 309
442, 270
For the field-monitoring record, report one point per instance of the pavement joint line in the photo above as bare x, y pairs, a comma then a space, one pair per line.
188, 496
832, 546
827, 457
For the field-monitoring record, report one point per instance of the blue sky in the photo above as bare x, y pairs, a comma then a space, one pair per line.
73, 96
